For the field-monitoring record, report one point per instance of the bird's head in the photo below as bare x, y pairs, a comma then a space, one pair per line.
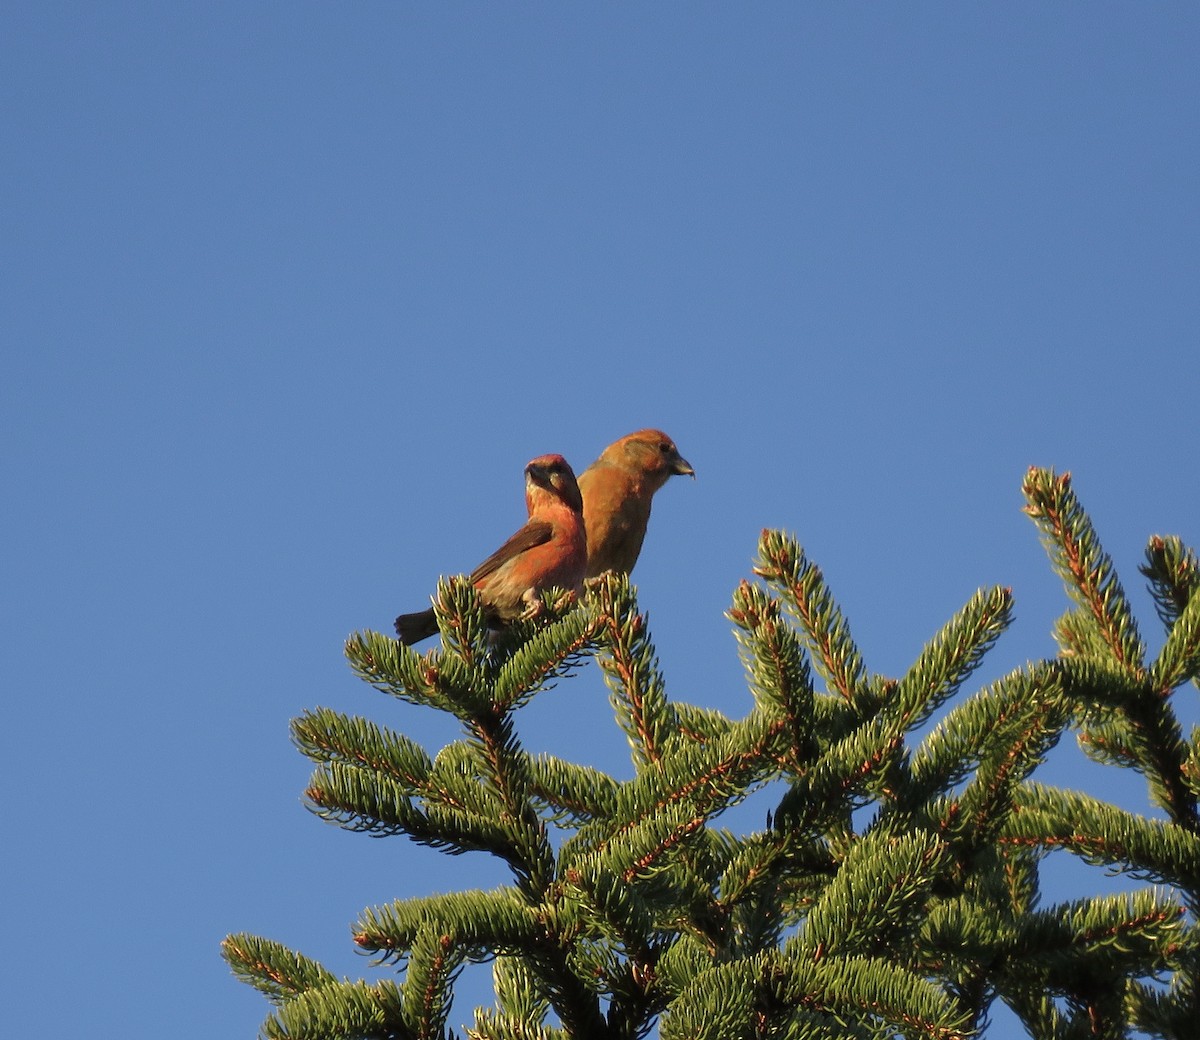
651, 452
553, 474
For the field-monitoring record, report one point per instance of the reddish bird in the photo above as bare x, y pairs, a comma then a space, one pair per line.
550, 550
617, 489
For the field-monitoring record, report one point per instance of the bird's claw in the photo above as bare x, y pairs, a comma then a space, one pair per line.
533, 605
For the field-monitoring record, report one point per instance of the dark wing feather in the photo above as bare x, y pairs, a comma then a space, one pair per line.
536, 532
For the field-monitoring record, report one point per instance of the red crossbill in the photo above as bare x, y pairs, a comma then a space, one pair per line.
550, 550
617, 489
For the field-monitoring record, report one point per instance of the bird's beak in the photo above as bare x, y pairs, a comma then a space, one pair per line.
683, 468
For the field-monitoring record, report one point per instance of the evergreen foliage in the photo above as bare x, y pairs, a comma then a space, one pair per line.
894, 890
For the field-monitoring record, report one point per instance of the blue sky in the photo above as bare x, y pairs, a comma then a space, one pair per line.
293, 292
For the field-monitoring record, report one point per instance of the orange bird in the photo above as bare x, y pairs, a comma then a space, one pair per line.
550, 550
617, 489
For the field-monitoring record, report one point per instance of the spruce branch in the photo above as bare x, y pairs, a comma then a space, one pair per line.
569, 793
1138, 728
349, 1010
475, 923
1104, 835
325, 735
1166, 756
1191, 766
693, 783
491, 1025
456, 782
1010, 756
1078, 636
1121, 935
612, 900
1085, 567
877, 899
630, 666
782, 564
984, 723
522, 1008
1179, 660
1110, 741
738, 999
462, 622
755, 897
398, 670
842, 776
1165, 1012
700, 724
434, 962
776, 669
951, 656
963, 938
1174, 575
550, 653
1087, 953
756, 872
504, 773
573, 1000
1036, 1009
357, 800
272, 968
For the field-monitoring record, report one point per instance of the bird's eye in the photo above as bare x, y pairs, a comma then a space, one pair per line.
665, 447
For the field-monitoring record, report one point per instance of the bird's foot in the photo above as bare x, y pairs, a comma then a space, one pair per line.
534, 606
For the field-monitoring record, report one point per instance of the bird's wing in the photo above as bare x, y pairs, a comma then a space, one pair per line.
536, 532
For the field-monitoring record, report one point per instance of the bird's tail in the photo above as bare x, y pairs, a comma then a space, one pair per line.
412, 628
